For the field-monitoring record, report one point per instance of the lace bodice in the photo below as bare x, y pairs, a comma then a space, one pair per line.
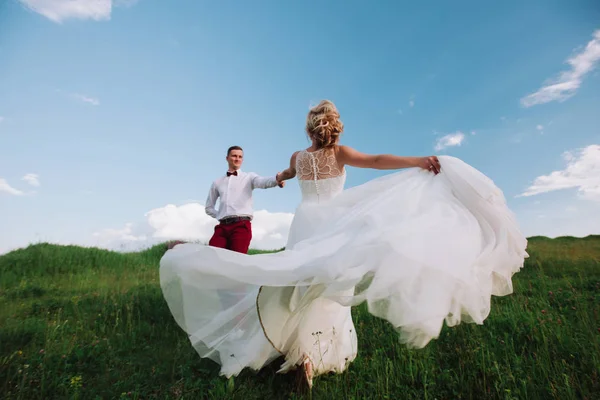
319, 175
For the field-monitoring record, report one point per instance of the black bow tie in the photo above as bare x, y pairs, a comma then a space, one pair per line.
231, 173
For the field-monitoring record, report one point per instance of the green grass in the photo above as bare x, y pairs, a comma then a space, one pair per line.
88, 323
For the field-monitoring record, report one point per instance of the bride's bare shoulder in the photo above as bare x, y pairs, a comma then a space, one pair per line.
294, 157
339, 152
343, 152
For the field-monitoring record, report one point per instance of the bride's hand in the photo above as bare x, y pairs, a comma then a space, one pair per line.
430, 163
280, 182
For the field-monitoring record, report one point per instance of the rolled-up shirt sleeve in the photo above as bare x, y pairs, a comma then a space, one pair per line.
261, 182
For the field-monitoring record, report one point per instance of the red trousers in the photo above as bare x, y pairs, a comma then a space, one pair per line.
235, 236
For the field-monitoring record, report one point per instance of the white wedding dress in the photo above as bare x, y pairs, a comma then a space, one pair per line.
420, 249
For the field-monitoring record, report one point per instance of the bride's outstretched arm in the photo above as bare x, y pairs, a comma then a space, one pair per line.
349, 156
289, 172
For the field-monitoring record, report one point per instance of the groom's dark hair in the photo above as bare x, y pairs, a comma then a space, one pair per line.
234, 148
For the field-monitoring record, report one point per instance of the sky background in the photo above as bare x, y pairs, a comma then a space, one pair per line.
115, 115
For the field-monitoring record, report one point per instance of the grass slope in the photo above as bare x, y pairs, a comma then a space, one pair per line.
89, 323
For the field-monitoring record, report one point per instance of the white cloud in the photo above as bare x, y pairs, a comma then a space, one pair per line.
559, 217
189, 222
473, 133
60, 10
86, 99
123, 238
5, 187
566, 84
32, 179
568, 156
540, 129
411, 103
1, 118
582, 172
450, 140
270, 230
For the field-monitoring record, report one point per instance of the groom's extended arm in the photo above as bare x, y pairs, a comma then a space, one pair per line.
211, 200
262, 182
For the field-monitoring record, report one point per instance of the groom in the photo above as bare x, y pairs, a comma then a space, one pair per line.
234, 189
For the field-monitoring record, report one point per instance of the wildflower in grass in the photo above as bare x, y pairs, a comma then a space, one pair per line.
76, 381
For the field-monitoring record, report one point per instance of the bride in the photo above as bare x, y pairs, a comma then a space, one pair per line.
420, 247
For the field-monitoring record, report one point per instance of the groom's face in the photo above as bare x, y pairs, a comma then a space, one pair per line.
235, 158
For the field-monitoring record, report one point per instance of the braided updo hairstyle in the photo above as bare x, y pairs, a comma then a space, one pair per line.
323, 124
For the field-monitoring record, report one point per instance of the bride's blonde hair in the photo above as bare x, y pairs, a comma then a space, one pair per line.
323, 124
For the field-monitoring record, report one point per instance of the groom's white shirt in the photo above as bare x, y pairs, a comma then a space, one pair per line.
235, 194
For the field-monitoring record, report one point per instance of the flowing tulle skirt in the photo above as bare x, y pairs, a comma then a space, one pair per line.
419, 249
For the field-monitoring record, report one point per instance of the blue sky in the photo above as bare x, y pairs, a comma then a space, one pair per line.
112, 111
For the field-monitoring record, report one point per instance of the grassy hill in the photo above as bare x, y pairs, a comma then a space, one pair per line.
89, 323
